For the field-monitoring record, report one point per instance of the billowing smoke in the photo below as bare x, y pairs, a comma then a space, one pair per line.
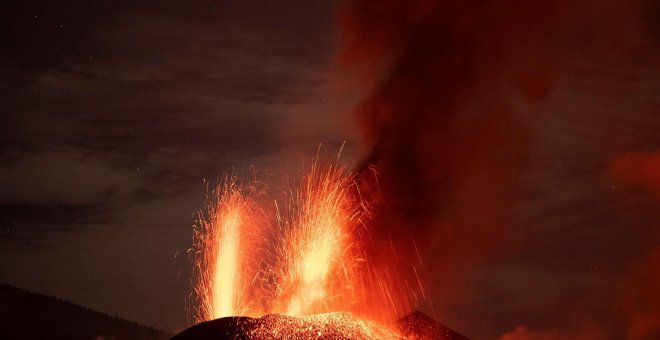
639, 169
445, 118
640, 299
441, 120
640, 288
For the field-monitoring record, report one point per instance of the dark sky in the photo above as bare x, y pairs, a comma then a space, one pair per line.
113, 113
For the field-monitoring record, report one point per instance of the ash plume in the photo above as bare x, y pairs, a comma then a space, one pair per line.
447, 118
639, 298
441, 121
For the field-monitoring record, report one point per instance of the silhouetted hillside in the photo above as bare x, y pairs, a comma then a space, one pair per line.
336, 326
25, 315
418, 325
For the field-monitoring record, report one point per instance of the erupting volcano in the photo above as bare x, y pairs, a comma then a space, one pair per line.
302, 273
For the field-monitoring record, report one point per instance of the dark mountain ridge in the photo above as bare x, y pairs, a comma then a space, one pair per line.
26, 315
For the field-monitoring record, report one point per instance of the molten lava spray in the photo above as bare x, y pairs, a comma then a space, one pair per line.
309, 260
226, 270
319, 252
224, 241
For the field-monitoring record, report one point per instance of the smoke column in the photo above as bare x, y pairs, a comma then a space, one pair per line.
440, 120
447, 124
640, 288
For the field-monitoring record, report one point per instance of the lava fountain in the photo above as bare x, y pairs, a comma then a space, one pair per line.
302, 274
319, 253
224, 243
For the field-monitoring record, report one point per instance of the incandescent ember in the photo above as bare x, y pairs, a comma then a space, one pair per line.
337, 325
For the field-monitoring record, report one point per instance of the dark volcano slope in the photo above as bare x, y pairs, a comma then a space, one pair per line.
336, 326
25, 315
418, 325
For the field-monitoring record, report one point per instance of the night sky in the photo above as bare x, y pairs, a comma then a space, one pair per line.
114, 112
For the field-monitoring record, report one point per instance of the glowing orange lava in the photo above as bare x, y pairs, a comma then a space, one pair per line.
335, 325
307, 261
319, 254
226, 265
224, 241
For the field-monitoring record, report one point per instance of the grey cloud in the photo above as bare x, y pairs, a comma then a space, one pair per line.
195, 85
63, 178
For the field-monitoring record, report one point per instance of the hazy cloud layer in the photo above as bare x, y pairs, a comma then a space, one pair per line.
63, 178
